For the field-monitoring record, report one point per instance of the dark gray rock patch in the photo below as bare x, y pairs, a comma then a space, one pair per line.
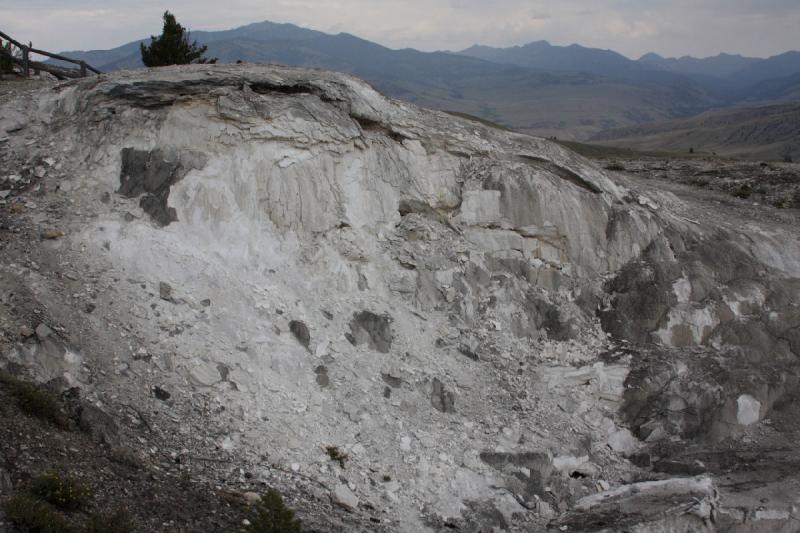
539, 480
323, 380
374, 330
161, 394
547, 316
151, 174
641, 296
165, 291
300, 332
468, 352
393, 381
442, 399
692, 394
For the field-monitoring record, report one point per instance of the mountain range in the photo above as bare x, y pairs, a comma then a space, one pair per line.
571, 92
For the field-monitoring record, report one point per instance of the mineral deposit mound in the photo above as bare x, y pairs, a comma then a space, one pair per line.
263, 276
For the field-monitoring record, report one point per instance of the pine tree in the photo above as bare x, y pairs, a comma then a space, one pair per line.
172, 47
7, 52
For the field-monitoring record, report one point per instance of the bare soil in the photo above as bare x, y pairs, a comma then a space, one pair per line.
154, 497
746, 183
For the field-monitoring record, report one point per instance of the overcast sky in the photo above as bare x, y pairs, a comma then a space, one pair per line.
632, 27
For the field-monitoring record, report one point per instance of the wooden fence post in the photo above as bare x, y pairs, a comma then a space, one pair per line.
83, 69
26, 71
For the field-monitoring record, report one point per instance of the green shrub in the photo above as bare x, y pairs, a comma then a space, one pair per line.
62, 492
272, 516
117, 522
744, 191
34, 400
7, 379
616, 166
40, 403
781, 203
336, 455
31, 515
125, 457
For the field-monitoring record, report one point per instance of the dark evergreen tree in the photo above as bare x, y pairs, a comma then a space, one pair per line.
172, 47
7, 52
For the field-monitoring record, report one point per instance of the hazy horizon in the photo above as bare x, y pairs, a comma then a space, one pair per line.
703, 28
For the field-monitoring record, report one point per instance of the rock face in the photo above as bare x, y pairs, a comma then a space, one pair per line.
483, 304
344, 497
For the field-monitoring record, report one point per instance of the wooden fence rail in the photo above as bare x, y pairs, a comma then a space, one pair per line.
26, 63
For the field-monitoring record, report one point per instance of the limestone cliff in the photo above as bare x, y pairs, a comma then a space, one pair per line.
488, 325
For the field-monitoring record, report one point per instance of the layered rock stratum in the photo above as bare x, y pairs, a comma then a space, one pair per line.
281, 276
